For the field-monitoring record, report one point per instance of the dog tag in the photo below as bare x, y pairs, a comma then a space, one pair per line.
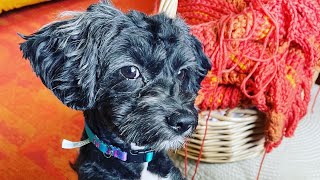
66, 144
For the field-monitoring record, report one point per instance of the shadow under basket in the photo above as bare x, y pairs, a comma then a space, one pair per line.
232, 135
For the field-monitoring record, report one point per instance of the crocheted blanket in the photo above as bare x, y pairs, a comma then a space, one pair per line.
263, 53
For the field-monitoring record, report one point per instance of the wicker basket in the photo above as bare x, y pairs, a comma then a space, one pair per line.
232, 135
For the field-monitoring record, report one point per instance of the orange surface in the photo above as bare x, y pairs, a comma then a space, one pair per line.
33, 121
7, 5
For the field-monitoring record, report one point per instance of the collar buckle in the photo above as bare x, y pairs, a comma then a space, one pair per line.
140, 155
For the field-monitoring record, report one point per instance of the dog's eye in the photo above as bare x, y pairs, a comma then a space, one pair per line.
130, 72
181, 74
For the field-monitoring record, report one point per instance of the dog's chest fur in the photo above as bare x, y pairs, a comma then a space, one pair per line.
147, 175
91, 164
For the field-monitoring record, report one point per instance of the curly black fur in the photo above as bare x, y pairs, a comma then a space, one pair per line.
82, 58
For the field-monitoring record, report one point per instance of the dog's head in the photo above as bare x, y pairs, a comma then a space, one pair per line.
141, 72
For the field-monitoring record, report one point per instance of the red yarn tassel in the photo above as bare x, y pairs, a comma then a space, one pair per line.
261, 163
315, 100
186, 160
156, 6
202, 144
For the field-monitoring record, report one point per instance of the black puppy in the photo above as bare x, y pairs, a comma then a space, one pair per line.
136, 79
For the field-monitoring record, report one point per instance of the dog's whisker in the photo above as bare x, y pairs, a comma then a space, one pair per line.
153, 129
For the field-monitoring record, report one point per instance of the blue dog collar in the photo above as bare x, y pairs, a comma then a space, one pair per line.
137, 156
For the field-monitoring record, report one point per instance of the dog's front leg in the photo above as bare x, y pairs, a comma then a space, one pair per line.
93, 171
164, 167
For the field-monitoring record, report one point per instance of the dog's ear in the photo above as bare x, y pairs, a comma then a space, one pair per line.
202, 60
65, 54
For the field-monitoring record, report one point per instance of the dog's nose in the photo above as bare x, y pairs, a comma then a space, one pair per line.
181, 122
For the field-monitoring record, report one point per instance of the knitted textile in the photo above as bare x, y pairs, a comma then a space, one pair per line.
263, 53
